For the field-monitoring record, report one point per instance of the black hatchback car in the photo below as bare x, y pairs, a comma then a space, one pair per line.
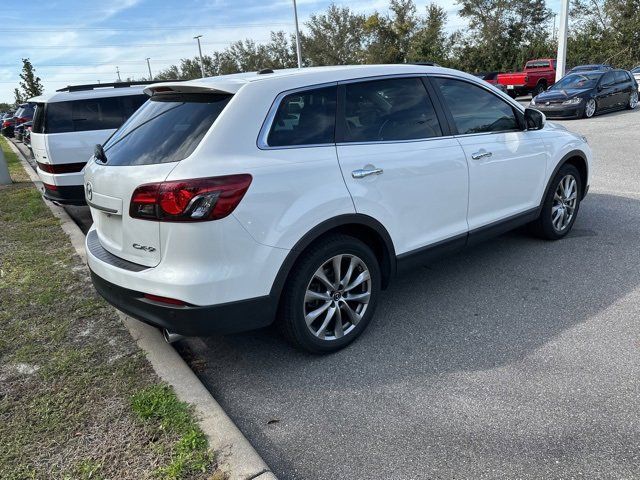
585, 94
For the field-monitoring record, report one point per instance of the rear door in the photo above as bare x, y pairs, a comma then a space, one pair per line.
507, 166
399, 163
166, 130
606, 94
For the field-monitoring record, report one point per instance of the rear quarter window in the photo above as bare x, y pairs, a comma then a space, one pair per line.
167, 128
305, 118
90, 114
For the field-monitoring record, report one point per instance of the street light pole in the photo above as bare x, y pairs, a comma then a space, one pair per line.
298, 49
562, 39
118, 72
149, 67
197, 37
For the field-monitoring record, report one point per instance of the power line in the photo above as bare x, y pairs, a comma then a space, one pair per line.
127, 29
113, 62
57, 47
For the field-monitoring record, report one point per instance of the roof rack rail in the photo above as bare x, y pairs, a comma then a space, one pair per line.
92, 86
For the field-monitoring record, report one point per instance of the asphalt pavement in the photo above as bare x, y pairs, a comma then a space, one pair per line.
518, 358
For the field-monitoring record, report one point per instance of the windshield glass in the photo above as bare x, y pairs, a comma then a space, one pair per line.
577, 80
167, 128
636, 70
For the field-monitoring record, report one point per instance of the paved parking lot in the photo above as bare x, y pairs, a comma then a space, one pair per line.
515, 359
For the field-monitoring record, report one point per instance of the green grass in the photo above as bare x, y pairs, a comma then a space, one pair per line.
78, 399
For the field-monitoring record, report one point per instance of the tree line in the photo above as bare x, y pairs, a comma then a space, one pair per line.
501, 35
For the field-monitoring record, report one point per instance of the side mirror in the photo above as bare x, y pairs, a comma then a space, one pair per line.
533, 119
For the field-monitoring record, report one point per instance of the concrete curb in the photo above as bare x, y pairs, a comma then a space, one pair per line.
236, 457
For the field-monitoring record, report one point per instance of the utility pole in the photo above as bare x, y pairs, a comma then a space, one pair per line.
197, 37
298, 49
562, 39
553, 32
118, 72
149, 67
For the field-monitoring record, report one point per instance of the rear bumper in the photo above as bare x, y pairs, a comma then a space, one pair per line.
70, 195
232, 317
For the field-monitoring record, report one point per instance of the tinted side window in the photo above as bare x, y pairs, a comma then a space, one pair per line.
607, 79
621, 76
130, 104
305, 118
387, 110
474, 109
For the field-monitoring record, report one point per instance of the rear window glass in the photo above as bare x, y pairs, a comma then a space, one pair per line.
305, 118
167, 128
90, 114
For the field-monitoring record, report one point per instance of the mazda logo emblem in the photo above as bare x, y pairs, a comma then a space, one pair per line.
89, 191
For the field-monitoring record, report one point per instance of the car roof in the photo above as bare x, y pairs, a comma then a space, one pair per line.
306, 76
105, 92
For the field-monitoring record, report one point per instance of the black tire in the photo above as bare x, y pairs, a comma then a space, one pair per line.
543, 226
540, 87
291, 315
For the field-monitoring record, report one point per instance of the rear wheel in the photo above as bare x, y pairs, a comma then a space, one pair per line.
538, 90
330, 295
561, 205
633, 100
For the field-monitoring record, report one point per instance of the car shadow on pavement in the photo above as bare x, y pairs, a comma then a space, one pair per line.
489, 307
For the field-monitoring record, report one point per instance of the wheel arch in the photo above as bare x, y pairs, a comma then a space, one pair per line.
363, 227
578, 159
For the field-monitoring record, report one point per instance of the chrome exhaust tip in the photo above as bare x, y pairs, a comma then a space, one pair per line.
171, 337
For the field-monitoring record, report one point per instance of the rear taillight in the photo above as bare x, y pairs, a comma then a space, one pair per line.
21, 120
48, 186
63, 168
6, 123
194, 200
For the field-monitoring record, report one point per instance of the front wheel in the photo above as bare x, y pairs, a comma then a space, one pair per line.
331, 294
633, 100
561, 205
590, 108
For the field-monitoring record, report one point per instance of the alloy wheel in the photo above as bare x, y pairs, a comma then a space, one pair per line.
337, 297
590, 108
633, 100
564, 203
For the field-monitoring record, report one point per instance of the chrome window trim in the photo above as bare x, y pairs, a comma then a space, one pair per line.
383, 142
268, 121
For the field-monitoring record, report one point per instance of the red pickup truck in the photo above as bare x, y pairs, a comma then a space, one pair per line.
538, 75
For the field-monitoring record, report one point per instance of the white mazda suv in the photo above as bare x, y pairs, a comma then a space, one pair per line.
227, 203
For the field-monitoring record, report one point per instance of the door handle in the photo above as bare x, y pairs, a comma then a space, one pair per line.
481, 154
362, 172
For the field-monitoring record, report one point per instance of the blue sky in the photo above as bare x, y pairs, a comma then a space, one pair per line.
75, 41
